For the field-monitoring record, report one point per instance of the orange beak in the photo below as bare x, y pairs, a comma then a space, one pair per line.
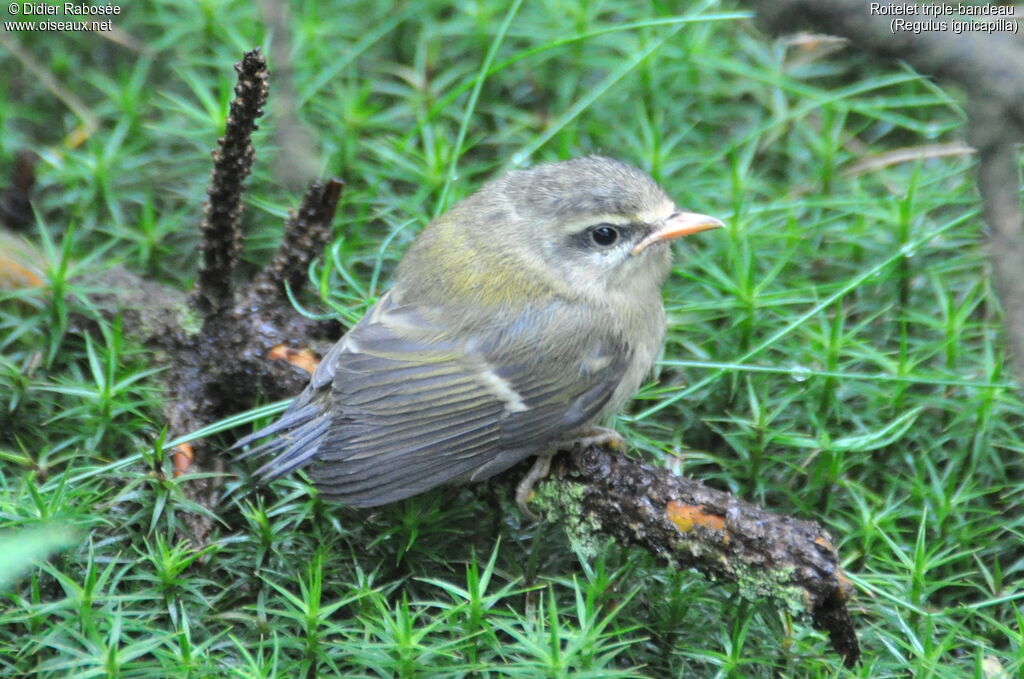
679, 224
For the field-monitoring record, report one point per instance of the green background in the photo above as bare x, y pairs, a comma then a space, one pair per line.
835, 355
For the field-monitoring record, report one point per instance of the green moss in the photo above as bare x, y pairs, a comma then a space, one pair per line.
559, 501
756, 583
798, 339
191, 322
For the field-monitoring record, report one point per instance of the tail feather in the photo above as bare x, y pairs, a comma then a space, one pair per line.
289, 420
293, 443
299, 448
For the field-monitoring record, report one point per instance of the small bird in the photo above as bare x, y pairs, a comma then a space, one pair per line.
517, 321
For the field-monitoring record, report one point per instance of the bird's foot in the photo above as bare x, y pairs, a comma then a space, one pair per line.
524, 489
579, 440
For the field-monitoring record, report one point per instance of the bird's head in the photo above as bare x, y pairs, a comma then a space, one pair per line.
591, 226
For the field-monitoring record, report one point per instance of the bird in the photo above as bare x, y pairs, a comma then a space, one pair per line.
518, 321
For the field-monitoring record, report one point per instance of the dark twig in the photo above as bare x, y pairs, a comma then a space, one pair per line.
305, 234
990, 69
227, 363
689, 525
232, 164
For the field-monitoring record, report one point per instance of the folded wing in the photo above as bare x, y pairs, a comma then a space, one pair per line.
398, 406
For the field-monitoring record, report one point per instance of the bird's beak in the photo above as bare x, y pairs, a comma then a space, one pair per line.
679, 224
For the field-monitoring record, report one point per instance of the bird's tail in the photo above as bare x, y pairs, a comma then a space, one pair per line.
296, 437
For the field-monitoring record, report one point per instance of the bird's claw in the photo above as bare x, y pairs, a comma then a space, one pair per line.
524, 489
577, 441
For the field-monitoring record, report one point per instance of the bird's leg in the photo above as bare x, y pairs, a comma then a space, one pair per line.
524, 489
578, 440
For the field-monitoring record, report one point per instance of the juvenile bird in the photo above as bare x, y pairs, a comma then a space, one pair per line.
517, 321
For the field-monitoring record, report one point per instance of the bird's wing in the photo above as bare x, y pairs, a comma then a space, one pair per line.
415, 404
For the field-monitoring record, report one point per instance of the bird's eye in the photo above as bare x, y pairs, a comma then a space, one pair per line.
604, 235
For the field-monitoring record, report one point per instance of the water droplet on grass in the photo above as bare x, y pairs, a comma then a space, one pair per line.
799, 373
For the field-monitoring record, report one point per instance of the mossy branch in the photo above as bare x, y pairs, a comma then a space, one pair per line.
688, 525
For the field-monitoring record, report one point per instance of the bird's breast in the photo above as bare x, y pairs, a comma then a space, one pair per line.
642, 330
